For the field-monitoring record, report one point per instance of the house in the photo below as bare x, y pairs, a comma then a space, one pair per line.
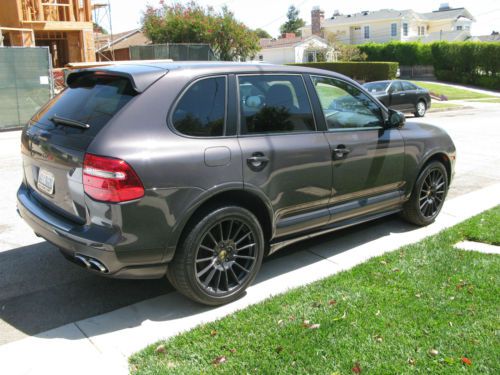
116, 47
291, 49
381, 26
65, 26
493, 37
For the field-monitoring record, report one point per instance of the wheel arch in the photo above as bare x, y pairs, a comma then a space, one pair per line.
441, 157
239, 197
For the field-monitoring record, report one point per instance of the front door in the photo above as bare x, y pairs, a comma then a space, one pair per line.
285, 160
367, 158
397, 97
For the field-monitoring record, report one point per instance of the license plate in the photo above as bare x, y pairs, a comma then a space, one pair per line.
45, 181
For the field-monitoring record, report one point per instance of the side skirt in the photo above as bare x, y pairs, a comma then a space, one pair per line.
275, 246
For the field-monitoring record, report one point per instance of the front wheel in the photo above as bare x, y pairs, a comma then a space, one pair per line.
219, 257
428, 195
420, 109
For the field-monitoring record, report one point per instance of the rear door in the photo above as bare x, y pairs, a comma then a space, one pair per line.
55, 140
285, 159
367, 159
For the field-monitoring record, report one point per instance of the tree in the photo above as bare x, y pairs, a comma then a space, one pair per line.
343, 51
99, 29
261, 33
294, 23
192, 23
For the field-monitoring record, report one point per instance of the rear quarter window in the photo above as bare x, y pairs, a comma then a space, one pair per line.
201, 110
91, 99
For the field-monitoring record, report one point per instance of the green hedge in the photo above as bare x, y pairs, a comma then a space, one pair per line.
406, 53
476, 63
360, 71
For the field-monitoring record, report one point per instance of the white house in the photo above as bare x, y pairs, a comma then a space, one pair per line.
291, 49
446, 23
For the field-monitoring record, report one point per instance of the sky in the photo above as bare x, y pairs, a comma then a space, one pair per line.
270, 14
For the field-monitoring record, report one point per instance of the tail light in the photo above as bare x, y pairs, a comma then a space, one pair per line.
110, 180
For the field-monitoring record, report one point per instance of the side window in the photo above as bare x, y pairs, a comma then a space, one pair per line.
345, 106
274, 104
201, 111
395, 87
407, 86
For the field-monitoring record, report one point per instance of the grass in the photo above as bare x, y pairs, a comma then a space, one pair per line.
425, 308
444, 105
452, 93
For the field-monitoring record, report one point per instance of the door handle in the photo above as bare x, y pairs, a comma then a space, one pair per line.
340, 152
257, 161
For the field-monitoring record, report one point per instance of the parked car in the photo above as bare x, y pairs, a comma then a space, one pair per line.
198, 170
402, 96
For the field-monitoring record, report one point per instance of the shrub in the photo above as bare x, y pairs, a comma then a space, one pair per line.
476, 63
360, 71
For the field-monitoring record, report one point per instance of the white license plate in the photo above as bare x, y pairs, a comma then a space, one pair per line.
45, 181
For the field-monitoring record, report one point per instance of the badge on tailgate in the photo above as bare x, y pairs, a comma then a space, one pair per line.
45, 181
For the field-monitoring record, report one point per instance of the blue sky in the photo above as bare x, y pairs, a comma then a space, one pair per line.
270, 14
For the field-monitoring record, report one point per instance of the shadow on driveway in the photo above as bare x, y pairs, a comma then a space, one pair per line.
41, 290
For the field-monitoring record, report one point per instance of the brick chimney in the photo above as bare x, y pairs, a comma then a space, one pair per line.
317, 17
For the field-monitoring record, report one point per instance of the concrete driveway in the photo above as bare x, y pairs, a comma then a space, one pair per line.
40, 290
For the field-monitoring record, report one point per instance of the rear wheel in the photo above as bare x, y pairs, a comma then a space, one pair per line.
428, 195
420, 109
219, 257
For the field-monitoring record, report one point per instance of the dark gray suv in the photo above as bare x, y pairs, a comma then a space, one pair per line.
198, 170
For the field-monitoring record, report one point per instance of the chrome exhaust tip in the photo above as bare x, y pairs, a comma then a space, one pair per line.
91, 263
83, 261
97, 265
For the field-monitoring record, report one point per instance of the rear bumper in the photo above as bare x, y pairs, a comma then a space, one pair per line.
90, 242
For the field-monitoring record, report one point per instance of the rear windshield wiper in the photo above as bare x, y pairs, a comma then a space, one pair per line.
69, 122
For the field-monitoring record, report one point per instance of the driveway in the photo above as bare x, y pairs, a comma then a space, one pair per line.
39, 290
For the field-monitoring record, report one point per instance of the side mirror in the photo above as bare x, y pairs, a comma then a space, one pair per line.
396, 119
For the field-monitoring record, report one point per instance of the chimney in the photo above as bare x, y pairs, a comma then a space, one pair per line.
317, 17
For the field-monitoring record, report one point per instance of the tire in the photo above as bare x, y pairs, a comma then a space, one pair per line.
420, 109
428, 195
219, 256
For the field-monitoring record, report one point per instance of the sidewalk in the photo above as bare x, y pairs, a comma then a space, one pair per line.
103, 343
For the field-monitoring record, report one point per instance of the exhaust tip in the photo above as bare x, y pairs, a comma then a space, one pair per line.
91, 263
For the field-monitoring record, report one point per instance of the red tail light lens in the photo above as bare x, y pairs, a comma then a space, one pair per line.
110, 180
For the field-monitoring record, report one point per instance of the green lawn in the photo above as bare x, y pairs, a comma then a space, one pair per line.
426, 308
451, 92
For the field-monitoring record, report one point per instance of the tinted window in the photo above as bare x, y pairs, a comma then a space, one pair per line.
273, 104
407, 86
202, 109
91, 99
396, 87
345, 106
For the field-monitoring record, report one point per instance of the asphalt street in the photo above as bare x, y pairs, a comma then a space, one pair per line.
40, 290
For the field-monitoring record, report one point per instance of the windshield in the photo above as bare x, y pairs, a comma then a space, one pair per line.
91, 99
376, 86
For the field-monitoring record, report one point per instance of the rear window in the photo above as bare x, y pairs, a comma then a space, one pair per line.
376, 86
91, 99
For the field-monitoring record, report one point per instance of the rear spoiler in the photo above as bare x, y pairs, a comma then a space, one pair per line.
141, 76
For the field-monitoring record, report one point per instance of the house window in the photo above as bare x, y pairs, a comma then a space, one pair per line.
421, 30
261, 57
459, 28
394, 29
405, 29
311, 56
367, 32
